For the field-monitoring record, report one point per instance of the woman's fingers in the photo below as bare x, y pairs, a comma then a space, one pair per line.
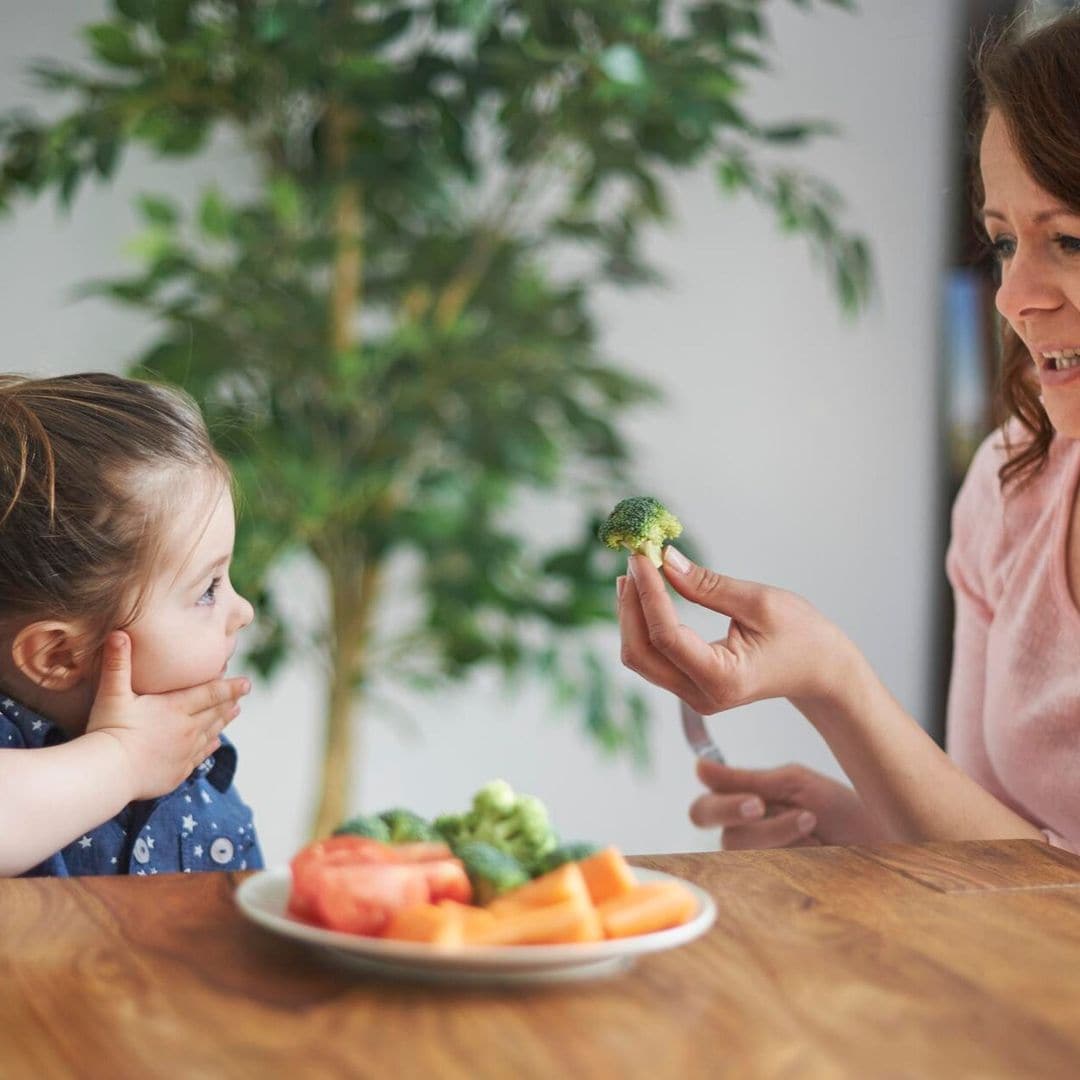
785, 829
639, 655
660, 636
719, 811
779, 785
742, 600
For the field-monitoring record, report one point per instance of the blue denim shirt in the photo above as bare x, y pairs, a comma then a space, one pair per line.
202, 825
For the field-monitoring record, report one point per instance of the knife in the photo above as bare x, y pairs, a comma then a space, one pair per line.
698, 736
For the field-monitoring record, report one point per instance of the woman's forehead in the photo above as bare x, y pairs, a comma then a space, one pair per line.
1007, 185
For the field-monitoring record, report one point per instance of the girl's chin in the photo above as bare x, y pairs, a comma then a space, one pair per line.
170, 686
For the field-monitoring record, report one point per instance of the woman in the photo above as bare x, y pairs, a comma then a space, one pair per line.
1013, 762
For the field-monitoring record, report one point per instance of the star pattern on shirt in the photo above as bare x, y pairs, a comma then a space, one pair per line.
108, 848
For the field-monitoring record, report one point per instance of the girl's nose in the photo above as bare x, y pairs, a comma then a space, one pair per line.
242, 615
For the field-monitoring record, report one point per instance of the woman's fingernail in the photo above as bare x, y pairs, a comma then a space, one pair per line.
630, 566
245, 686
752, 808
806, 822
674, 558
620, 585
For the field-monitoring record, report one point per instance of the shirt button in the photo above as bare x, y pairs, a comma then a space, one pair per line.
141, 851
221, 850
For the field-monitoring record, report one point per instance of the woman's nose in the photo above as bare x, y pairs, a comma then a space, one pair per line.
1028, 285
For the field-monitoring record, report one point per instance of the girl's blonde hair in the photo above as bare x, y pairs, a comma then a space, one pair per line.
92, 468
1033, 80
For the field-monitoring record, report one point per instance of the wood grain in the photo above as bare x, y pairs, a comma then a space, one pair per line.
936, 960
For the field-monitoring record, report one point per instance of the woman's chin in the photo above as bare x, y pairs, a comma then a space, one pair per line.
1064, 412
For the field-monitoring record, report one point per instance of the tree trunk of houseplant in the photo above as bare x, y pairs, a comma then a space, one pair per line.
353, 580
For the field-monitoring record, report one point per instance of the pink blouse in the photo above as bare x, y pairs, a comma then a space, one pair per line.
1014, 699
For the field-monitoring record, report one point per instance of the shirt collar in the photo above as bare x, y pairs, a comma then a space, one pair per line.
220, 767
36, 730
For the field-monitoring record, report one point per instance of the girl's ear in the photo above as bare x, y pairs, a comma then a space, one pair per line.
48, 654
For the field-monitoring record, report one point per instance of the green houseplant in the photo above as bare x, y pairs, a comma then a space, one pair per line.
377, 334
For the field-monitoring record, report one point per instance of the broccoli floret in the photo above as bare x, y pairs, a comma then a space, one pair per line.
641, 524
364, 825
450, 828
496, 797
564, 853
490, 870
406, 827
515, 824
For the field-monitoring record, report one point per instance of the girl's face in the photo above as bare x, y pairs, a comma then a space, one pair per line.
1037, 241
191, 615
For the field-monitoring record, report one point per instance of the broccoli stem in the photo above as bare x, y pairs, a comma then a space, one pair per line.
653, 551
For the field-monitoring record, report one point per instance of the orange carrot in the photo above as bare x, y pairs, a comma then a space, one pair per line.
474, 920
571, 920
607, 874
656, 905
433, 923
556, 886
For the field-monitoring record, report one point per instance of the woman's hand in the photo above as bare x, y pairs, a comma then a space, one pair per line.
777, 645
162, 736
791, 806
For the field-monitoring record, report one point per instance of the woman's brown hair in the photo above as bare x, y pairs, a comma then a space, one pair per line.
91, 468
1033, 81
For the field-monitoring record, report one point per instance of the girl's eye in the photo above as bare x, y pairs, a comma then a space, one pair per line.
208, 596
1069, 244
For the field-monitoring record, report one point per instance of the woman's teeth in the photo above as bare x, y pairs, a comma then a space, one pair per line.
1061, 359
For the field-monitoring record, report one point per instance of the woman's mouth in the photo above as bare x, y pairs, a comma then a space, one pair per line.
1060, 359
1058, 366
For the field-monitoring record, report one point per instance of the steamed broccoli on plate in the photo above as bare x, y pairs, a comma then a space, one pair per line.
642, 525
406, 826
368, 825
515, 824
490, 870
576, 851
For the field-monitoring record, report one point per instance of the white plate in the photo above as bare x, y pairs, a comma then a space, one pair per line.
263, 898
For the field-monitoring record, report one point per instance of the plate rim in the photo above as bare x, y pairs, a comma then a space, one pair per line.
252, 904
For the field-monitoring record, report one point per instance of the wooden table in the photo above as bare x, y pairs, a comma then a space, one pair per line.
946, 960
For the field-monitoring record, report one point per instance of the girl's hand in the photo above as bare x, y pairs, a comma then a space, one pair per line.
162, 736
777, 644
787, 807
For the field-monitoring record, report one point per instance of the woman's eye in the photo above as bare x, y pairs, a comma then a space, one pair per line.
208, 596
1002, 247
1069, 244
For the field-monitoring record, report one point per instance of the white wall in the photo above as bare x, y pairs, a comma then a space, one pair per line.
799, 446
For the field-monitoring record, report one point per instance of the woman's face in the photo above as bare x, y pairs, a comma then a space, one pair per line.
1037, 241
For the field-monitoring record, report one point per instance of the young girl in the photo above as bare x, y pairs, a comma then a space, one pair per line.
117, 622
